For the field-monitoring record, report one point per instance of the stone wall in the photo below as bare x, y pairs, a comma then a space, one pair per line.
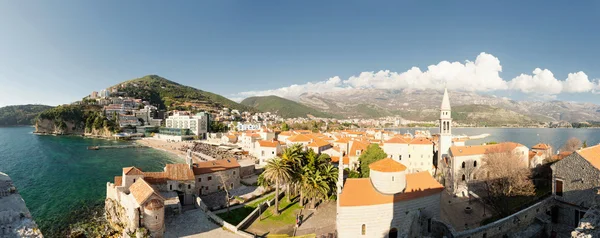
579, 178
508, 225
216, 219
211, 182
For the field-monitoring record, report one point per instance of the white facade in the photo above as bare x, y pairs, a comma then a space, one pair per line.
388, 182
445, 127
197, 124
248, 126
416, 157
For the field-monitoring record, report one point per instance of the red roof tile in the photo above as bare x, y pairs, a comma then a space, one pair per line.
215, 166
387, 165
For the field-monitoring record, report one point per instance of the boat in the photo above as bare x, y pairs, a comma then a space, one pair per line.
93, 147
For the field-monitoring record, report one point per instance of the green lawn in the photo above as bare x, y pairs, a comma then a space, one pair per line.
237, 215
287, 217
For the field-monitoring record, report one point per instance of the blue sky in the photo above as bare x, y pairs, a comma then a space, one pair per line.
55, 52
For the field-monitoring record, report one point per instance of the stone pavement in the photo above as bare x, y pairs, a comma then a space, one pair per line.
453, 212
195, 223
319, 222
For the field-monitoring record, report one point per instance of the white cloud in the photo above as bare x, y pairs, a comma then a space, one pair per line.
481, 75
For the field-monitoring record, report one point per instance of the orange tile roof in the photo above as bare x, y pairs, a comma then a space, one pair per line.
132, 171
286, 133
141, 191
541, 146
268, 143
591, 154
303, 131
336, 159
343, 140
118, 181
396, 140
480, 149
299, 138
357, 145
387, 165
215, 166
421, 141
155, 177
318, 143
532, 154
179, 172
360, 191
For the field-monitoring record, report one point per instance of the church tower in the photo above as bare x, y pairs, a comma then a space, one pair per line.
445, 127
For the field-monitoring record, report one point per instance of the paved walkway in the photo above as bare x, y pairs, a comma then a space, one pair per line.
453, 212
319, 222
195, 223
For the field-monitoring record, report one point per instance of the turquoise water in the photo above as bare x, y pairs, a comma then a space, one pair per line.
526, 136
55, 174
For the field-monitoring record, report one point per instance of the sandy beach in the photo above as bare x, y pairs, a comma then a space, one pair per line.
171, 147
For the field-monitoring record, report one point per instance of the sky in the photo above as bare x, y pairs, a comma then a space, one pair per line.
56, 52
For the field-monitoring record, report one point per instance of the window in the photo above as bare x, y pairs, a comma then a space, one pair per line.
134, 180
392, 178
199, 179
170, 186
364, 229
474, 163
399, 157
189, 186
262, 153
272, 152
233, 172
209, 178
463, 177
463, 165
558, 187
231, 186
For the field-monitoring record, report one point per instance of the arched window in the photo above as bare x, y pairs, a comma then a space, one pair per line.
364, 229
475, 163
393, 233
463, 165
463, 177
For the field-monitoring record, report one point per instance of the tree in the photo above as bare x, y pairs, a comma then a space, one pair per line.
277, 172
584, 144
372, 154
572, 144
285, 126
504, 174
223, 178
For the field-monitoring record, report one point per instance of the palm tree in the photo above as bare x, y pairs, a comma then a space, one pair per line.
277, 172
293, 157
315, 188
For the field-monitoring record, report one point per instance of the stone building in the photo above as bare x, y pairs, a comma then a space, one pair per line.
211, 176
390, 203
575, 185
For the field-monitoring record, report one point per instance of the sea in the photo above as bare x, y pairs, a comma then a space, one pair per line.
57, 175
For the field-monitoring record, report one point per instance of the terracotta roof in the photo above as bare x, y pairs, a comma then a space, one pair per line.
118, 181
460, 139
285, 133
396, 140
336, 159
343, 140
155, 177
298, 138
268, 143
480, 149
541, 146
318, 143
591, 154
141, 191
232, 137
360, 192
179, 172
532, 154
132, 171
387, 165
421, 141
357, 145
215, 166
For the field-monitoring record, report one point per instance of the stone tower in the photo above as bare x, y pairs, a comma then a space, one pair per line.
445, 127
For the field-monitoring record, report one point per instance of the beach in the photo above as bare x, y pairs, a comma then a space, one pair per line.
171, 147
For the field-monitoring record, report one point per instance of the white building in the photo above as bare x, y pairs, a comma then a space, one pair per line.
416, 153
265, 150
390, 203
445, 140
197, 124
248, 126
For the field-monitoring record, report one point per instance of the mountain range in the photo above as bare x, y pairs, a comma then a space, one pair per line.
423, 105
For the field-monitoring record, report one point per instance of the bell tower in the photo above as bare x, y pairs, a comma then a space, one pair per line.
445, 127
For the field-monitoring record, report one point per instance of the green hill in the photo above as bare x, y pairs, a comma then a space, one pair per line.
173, 96
283, 107
20, 114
